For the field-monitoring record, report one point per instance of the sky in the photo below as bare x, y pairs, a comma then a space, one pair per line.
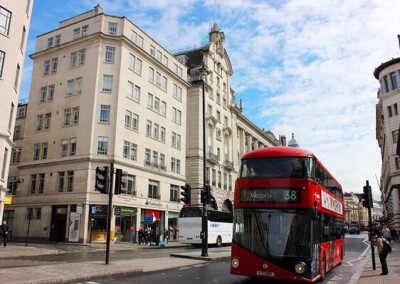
300, 66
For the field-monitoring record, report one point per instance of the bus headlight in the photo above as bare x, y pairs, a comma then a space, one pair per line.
300, 267
235, 263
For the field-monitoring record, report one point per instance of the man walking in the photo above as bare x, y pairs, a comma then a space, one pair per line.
382, 254
4, 232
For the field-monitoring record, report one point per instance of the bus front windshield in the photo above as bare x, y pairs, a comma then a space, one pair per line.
276, 167
273, 232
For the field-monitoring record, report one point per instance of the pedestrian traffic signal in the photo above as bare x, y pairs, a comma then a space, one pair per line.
121, 181
186, 194
206, 195
101, 183
367, 197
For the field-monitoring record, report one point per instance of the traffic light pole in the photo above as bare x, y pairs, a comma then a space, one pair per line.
204, 223
109, 186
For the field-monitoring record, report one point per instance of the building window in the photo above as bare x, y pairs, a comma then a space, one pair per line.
110, 54
73, 59
148, 128
81, 57
394, 80
72, 146
38, 213
17, 131
162, 162
138, 66
85, 30
165, 60
23, 38
41, 183
149, 101
153, 189
389, 108
156, 131
77, 33
147, 156
174, 193
67, 116
135, 121
11, 118
152, 50
36, 151
78, 85
386, 81
70, 181
12, 185
105, 113
133, 36
173, 163
75, 115
158, 55
47, 120
107, 83
137, 94
15, 155
102, 145
129, 92
162, 134
33, 184
112, 28
64, 148
163, 108
395, 134
128, 119
130, 185
396, 112
61, 181
178, 166
70, 87
5, 18
151, 75
164, 83
44, 150
139, 41
155, 159
2, 55
397, 163
57, 40
50, 95
46, 67
3, 169
17, 76
54, 65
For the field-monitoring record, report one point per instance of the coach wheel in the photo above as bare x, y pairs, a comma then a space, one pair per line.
219, 241
323, 269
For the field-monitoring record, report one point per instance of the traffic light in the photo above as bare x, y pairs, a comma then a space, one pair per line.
367, 197
206, 195
101, 179
120, 181
186, 195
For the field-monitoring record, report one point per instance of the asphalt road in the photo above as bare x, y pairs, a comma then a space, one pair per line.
218, 271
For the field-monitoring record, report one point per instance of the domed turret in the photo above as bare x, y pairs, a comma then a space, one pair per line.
293, 143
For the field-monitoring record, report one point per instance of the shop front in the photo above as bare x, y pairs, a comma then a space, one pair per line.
173, 225
152, 222
125, 223
98, 223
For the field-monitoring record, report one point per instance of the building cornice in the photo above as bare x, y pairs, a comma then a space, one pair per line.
385, 65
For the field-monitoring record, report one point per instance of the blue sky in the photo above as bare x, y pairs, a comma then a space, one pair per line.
301, 66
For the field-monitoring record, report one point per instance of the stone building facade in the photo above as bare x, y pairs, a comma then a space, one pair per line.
15, 18
105, 93
387, 132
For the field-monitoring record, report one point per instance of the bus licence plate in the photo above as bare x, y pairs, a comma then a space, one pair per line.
265, 273
189, 238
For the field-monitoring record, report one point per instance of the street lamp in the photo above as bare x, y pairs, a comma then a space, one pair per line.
203, 71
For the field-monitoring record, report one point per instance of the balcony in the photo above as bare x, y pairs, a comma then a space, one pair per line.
228, 165
212, 158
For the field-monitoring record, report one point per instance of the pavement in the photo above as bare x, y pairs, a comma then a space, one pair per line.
80, 271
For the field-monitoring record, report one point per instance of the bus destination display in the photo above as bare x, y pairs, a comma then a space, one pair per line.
270, 195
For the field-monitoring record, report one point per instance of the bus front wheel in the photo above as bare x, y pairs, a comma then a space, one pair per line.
219, 241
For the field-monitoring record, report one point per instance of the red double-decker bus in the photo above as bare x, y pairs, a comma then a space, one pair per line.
288, 221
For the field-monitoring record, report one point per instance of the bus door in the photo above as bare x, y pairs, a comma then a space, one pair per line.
316, 249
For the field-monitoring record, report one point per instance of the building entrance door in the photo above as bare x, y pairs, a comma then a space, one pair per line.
58, 226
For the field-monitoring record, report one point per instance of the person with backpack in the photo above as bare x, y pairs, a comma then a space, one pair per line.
383, 251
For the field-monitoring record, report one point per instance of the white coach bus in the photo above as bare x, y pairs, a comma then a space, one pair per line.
219, 226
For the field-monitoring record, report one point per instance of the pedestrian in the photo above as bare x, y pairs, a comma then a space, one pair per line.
140, 233
146, 236
4, 232
382, 253
386, 233
166, 232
